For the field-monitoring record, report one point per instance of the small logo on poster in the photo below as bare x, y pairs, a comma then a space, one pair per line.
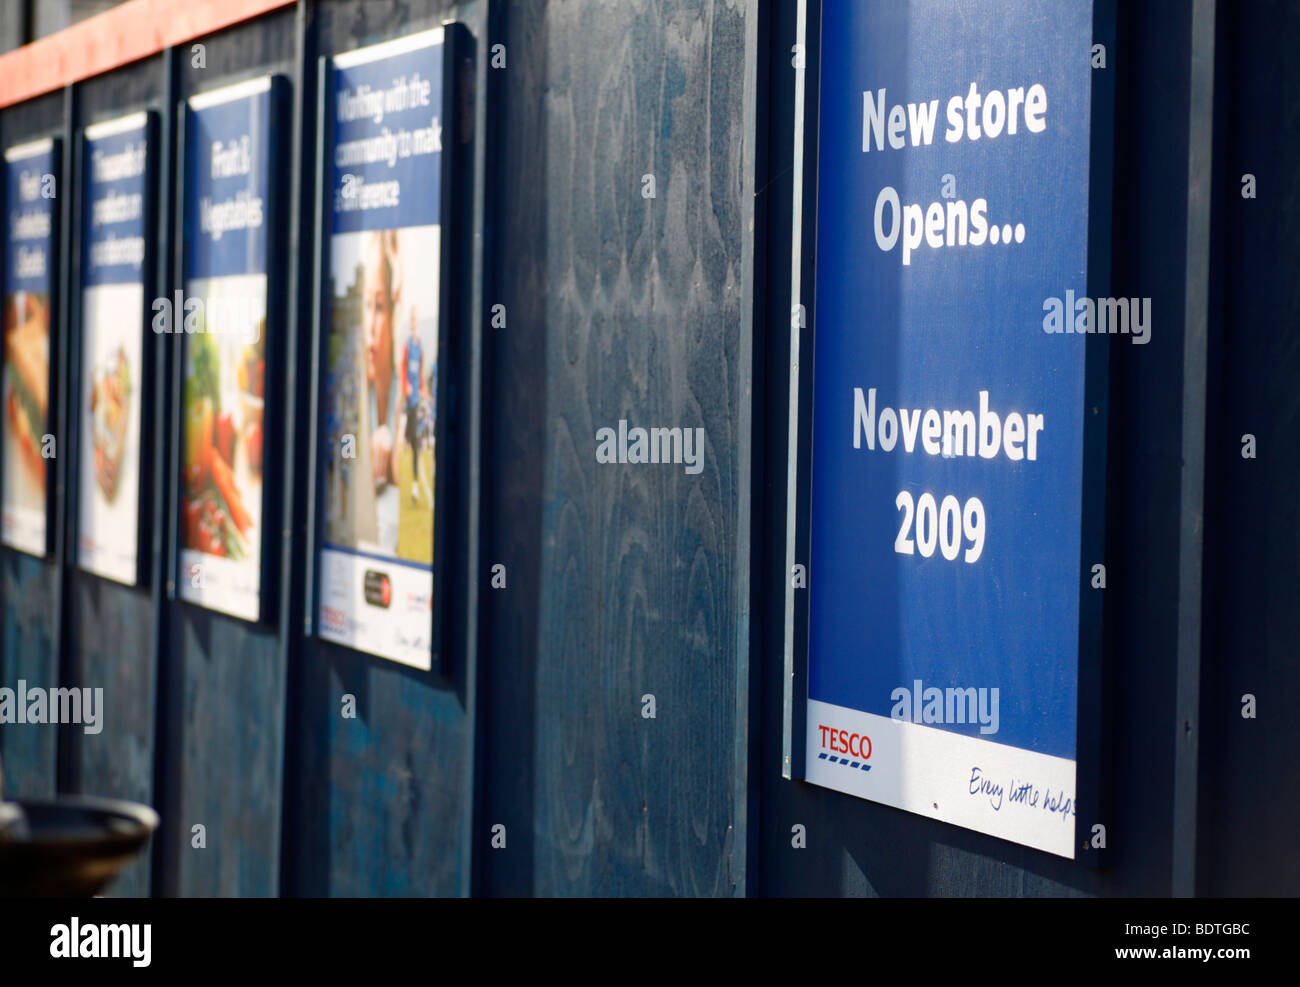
379, 589
333, 618
842, 747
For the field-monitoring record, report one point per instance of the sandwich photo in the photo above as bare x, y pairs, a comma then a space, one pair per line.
27, 379
110, 401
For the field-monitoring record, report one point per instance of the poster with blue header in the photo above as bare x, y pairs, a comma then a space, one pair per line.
223, 315
380, 339
948, 405
114, 318
30, 285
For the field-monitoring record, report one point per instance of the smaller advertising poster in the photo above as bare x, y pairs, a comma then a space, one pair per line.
31, 253
223, 317
114, 231
380, 346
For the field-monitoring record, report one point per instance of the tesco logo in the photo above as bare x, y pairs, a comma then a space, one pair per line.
334, 618
842, 742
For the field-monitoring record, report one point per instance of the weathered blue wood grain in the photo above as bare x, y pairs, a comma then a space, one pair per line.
227, 774
109, 638
376, 798
624, 578
29, 749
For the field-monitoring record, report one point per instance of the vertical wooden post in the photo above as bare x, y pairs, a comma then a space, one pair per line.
1200, 147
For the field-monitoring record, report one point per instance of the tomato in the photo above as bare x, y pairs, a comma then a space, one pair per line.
225, 435
193, 512
208, 540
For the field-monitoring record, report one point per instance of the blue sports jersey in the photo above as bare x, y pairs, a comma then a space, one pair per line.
413, 360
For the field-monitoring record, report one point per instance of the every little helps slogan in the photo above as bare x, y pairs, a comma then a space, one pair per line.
380, 349
947, 449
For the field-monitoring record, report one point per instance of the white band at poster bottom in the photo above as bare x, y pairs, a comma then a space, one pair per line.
1008, 792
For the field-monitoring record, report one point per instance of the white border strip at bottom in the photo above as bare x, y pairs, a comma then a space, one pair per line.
957, 778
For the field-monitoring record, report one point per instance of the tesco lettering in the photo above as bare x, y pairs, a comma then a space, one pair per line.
843, 742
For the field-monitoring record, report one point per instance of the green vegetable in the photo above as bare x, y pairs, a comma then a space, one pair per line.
198, 428
207, 370
229, 534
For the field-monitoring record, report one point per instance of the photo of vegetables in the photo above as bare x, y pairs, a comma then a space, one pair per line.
221, 495
216, 519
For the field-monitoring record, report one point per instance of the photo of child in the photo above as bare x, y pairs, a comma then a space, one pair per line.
379, 412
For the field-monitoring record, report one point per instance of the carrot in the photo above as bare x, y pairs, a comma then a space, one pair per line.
225, 482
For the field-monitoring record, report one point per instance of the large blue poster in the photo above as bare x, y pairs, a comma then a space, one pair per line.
227, 202
948, 410
30, 266
380, 343
113, 316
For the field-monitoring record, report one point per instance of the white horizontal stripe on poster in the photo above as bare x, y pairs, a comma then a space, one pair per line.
930, 772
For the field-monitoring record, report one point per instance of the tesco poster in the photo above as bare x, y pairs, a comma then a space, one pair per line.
228, 172
31, 195
948, 418
113, 321
380, 350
